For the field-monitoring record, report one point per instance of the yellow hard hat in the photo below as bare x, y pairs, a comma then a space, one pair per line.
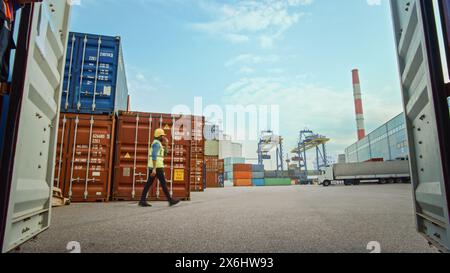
159, 133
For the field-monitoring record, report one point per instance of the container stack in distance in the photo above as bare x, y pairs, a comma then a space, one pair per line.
258, 175
277, 182
214, 166
228, 166
94, 90
242, 175
214, 172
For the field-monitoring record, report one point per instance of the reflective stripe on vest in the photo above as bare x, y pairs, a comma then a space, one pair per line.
8, 10
159, 158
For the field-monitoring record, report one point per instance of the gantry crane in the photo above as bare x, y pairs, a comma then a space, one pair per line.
308, 140
267, 142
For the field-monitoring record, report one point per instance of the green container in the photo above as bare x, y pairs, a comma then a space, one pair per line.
278, 182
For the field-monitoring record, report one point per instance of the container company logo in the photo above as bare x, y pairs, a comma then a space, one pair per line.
241, 123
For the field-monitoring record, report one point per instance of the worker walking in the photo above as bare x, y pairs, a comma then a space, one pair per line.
156, 168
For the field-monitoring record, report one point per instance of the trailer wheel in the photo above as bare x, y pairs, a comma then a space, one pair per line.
356, 182
348, 182
326, 183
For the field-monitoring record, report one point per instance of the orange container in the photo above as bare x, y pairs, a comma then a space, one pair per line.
242, 183
242, 175
242, 168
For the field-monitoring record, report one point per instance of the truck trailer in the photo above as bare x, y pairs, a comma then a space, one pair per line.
355, 173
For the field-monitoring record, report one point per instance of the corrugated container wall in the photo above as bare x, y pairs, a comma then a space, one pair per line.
213, 171
95, 79
134, 135
84, 157
197, 157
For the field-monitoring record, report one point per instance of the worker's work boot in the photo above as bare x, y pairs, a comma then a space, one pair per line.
144, 204
173, 202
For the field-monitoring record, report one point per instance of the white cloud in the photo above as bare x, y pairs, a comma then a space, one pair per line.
266, 20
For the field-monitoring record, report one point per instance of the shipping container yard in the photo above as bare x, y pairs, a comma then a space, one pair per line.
170, 142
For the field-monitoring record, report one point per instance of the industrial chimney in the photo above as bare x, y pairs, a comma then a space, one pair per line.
358, 105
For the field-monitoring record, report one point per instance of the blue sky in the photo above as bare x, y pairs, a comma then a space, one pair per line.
295, 53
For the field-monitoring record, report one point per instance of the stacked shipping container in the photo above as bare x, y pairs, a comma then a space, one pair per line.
84, 156
242, 175
95, 80
95, 97
94, 90
134, 136
214, 172
228, 166
258, 175
213, 166
277, 182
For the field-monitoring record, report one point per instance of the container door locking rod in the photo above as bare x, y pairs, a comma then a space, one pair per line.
70, 73
171, 163
96, 73
150, 122
82, 72
88, 163
133, 192
157, 188
73, 157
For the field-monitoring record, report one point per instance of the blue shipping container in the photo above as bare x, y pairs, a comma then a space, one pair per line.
258, 168
258, 175
94, 79
258, 182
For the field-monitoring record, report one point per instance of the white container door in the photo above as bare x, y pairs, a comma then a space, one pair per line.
33, 173
421, 48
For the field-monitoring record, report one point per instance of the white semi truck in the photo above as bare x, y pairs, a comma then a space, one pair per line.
355, 173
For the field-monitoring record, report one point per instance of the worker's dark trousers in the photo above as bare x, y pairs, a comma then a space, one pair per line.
162, 179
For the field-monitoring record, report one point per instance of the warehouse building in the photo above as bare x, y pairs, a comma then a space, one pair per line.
388, 142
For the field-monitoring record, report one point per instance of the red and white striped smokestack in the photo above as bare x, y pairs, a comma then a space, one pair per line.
358, 105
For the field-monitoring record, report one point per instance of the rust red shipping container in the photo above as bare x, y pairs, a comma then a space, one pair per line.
134, 135
84, 156
186, 150
85, 164
214, 167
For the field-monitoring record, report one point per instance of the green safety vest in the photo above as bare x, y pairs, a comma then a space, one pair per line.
159, 158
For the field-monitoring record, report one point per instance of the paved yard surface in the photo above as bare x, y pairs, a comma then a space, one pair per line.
267, 219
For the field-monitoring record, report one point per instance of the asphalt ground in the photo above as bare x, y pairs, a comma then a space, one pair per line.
292, 219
